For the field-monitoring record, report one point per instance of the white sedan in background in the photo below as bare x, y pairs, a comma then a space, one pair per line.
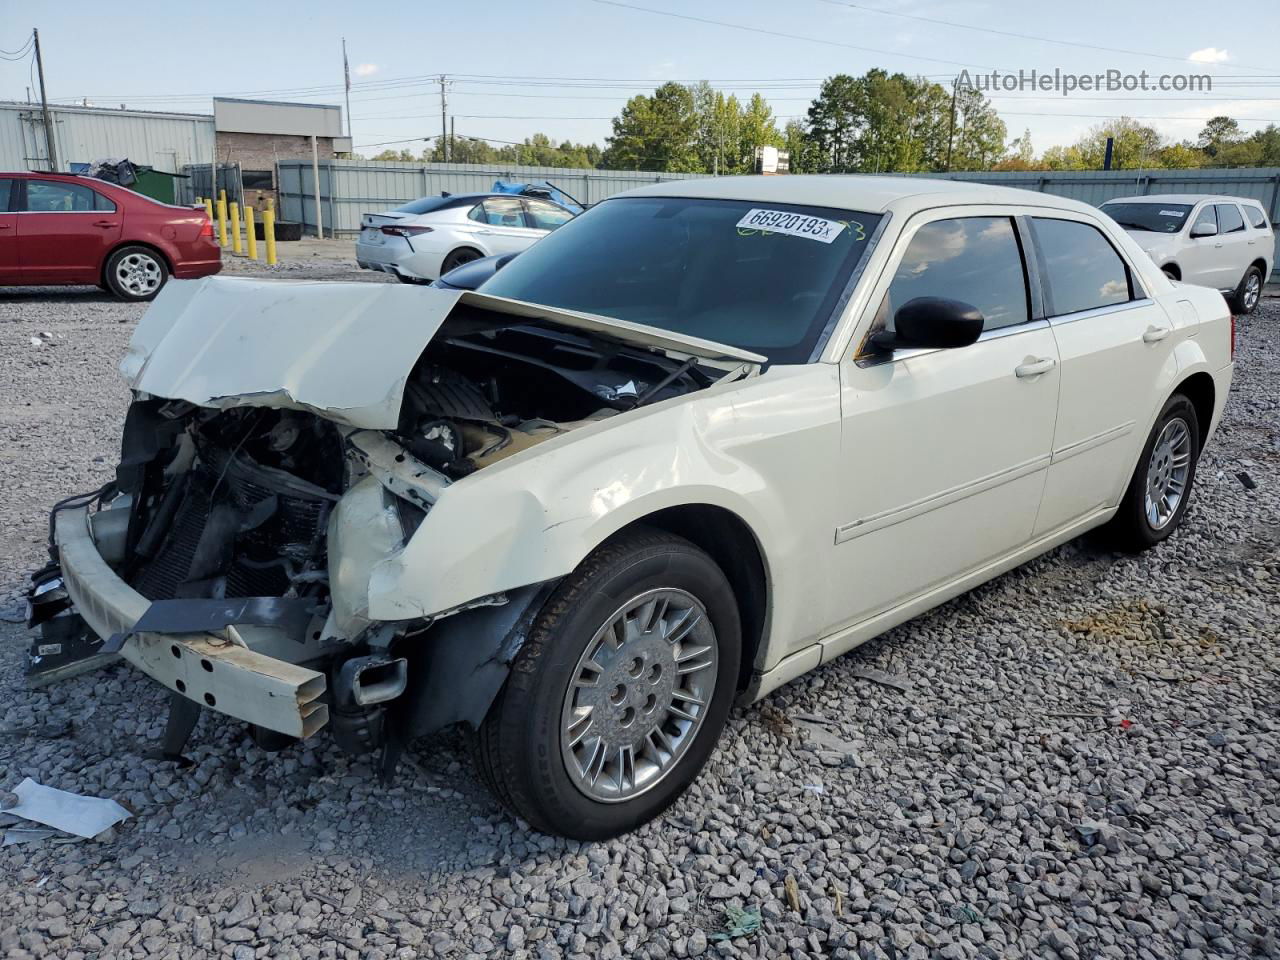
1220, 242
425, 239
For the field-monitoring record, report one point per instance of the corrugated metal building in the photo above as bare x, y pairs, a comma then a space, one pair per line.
167, 141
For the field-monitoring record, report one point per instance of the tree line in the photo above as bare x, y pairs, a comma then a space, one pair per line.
878, 122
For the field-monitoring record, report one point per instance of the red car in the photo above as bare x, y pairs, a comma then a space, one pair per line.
58, 228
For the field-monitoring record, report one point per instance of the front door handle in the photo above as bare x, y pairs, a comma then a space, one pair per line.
1034, 368
1155, 334
104, 223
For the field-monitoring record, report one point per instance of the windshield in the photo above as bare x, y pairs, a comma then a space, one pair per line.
1155, 217
703, 268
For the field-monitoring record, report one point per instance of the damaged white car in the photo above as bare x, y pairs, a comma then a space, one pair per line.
696, 442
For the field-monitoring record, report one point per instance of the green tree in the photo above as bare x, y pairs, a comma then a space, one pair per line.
800, 147
834, 122
1219, 133
719, 128
658, 132
1180, 156
979, 134
756, 129
399, 155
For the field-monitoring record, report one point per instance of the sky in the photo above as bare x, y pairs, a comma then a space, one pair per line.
566, 67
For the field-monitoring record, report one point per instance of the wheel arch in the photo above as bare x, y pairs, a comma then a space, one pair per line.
1199, 388
1173, 268
733, 545
159, 251
458, 248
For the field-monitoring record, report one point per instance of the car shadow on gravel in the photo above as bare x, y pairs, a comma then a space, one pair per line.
71, 295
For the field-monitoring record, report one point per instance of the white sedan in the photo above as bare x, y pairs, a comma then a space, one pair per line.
1222, 242
704, 438
425, 239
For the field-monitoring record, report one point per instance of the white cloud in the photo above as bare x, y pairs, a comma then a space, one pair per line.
366, 69
1209, 55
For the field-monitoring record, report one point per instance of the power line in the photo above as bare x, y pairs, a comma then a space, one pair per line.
1026, 36
788, 36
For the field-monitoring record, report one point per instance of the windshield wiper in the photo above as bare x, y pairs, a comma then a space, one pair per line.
1134, 226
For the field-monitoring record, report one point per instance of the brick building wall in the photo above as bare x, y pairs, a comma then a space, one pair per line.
257, 153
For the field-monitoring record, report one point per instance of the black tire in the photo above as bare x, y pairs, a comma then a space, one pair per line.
136, 274
1131, 530
458, 257
518, 746
1171, 274
1247, 296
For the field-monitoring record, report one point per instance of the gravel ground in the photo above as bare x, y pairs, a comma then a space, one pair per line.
1084, 761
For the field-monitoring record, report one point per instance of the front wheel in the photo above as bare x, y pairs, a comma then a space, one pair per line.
1245, 300
135, 273
1158, 493
619, 694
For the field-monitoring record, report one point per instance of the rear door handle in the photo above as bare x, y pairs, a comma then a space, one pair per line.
1035, 367
484, 233
1155, 334
104, 223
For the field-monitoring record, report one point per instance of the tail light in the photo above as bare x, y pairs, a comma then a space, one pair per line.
406, 231
206, 230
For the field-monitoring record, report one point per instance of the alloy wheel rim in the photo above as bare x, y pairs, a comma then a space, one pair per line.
1167, 473
638, 695
1252, 290
138, 273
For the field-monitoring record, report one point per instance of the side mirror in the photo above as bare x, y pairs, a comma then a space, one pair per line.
1204, 230
932, 322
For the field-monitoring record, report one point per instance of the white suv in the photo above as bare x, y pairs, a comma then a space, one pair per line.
1220, 242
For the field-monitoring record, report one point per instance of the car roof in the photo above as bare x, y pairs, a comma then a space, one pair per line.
873, 194
1192, 198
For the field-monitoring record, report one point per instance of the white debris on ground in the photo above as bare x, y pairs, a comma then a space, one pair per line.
1078, 760
72, 813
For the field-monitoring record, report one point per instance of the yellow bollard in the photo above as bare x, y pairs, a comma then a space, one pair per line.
250, 237
269, 230
208, 209
222, 220
235, 227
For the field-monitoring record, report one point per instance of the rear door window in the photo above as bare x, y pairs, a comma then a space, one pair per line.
503, 212
1082, 269
1229, 219
50, 196
976, 260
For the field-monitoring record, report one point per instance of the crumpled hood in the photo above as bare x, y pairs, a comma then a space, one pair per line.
343, 350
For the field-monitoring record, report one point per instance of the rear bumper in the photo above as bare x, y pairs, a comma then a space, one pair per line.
398, 257
193, 269
213, 669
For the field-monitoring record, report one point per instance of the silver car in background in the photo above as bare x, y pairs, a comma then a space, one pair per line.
426, 238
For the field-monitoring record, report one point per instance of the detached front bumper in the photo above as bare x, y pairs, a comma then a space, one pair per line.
214, 669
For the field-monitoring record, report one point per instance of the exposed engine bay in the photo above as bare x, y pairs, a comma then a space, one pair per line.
264, 521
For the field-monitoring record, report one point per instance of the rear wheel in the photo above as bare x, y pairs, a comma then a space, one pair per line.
619, 694
458, 258
1245, 300
135, 273
1160, 488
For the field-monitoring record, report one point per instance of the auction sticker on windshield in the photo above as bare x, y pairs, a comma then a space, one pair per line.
792, 224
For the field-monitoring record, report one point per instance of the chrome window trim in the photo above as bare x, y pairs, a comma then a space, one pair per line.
1066, 318
910, 354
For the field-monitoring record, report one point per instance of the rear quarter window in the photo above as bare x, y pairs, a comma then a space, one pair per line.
1082, 269
1257, 218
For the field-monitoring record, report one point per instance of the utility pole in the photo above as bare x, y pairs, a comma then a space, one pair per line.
44, 109
451, 142
444, 125
951, 134
346, 79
